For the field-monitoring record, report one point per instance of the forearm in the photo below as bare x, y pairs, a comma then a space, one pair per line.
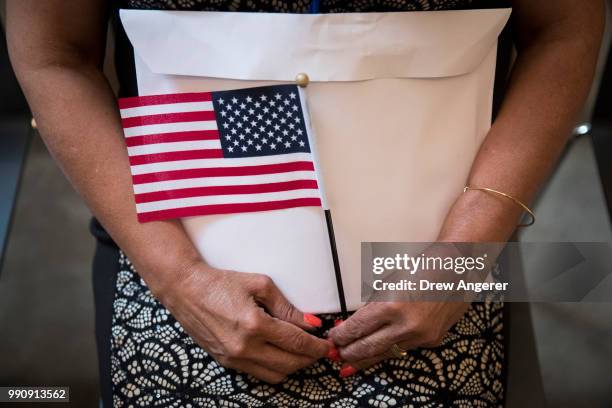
549, 83
78, 120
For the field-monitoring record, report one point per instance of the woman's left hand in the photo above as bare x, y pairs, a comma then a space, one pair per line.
367, 336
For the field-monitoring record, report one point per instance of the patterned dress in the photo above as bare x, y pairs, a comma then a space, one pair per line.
154, 363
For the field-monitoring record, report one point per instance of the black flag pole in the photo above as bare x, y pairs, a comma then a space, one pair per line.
337, 271
302, 82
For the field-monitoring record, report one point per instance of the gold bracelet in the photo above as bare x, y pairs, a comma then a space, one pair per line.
516, 201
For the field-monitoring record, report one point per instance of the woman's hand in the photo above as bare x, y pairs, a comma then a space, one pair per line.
244, 322
366, 337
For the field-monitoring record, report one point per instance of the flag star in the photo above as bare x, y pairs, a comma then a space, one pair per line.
262, 129
276, 127
292, 95
297, 120
244, 148
291, 126
274, 115
234, 100
239, 124
228, 137
268, 122
249, 99
302, 143
277, 96
285, 132
287, 144
266, 110
241, 136
231, 119
225, 125
257, 104
294, 107
286, 101
289, 114
242, 106
230, 149
223, 113
260, 117
245, 118
299, 132
283, 120
272, 103
270, 133
272, 146
279, 139
237, 112
251, 111
234, 131
256, 135
236, 143
280, 109
249, 142
258, 147
294, 138
253, 123
264, 140
220, 101
247, 130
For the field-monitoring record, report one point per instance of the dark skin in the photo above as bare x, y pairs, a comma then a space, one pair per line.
57, 49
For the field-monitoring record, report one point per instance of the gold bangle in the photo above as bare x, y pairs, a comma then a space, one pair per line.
516, 201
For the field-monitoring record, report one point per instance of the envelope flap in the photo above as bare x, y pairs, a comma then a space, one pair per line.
328, 47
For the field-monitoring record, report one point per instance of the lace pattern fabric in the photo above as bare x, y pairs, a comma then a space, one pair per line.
156, 364
300, 6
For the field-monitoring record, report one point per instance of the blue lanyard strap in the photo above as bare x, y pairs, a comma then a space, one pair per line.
314, 6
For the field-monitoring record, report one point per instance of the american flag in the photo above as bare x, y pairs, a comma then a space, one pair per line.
221, 152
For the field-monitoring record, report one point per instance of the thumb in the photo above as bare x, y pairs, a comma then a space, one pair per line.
278, 306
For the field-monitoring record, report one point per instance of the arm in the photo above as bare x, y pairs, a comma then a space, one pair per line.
558, 45
59, 67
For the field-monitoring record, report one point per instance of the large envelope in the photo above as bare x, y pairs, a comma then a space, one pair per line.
399, 104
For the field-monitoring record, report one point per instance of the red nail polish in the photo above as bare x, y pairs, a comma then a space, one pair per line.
333, 354
347, 370
338, 322
312, 320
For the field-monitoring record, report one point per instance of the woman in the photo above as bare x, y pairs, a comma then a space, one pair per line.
455, 352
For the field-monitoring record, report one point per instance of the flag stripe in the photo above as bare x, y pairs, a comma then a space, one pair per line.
223, 181
174, 147
172, 137
225, 190
232, 162
227, 209
223, 172
125, 103
172, 156
170, 128
166, 108
226, 199
168, 118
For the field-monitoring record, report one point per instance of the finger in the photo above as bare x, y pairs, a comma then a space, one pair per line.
364, 321
282, 361
370, 346
259, 371
293, 339
268, 294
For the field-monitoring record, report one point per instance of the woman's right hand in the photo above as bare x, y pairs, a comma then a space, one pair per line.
244, 321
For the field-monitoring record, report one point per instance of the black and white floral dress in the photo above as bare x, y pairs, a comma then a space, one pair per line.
154, 363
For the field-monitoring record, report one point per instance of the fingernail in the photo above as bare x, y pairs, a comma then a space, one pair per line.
312, 320
333, 354
347, 370
338, 322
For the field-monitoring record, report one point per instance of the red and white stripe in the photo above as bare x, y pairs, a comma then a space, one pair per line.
178, 168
